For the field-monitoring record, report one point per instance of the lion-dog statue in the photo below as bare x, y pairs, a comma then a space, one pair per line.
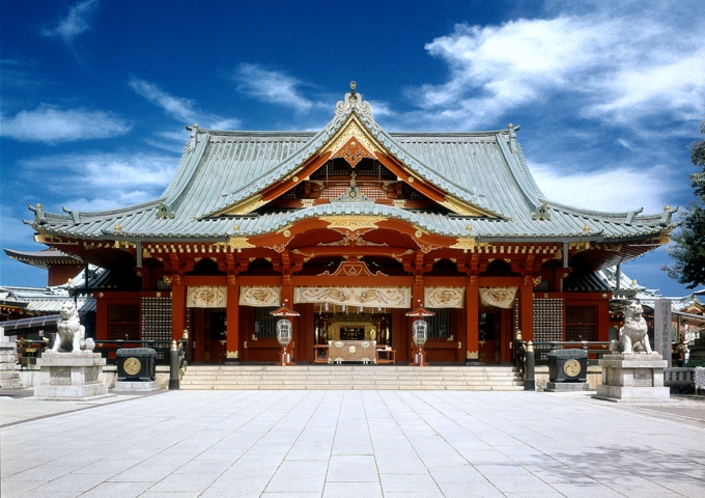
71, 334
633, 336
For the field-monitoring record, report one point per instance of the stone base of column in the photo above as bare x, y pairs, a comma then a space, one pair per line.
633, 378
70, 376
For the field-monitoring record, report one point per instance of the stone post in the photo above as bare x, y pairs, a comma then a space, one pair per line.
662, 329
9, 377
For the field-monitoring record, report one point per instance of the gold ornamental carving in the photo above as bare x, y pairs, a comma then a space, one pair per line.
465, 244
233, 355
353, 268
350, 224
352, 130
246, 206
239, 243
462, 208
471, 355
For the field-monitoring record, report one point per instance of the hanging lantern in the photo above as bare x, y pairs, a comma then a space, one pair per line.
419, 332
284, 332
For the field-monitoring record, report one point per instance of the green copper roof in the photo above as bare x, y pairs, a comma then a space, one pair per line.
219, 169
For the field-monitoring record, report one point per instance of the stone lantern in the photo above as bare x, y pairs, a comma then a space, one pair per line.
419, 335
284, 333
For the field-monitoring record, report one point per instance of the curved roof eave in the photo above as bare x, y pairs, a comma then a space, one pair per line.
628, 217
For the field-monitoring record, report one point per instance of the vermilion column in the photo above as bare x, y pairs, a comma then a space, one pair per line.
526, 308
233, 317
472, 309
178, 307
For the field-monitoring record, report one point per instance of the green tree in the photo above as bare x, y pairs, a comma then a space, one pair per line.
689, 251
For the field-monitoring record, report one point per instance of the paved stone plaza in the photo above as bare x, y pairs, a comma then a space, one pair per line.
350, 443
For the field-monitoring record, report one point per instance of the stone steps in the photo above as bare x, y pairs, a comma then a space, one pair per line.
479, 378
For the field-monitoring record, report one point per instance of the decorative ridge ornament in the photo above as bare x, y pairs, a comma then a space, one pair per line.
352, 194
352, 100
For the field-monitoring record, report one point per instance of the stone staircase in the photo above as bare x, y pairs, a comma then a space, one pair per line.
476, 378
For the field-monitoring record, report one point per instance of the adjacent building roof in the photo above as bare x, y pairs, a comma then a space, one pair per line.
43, 259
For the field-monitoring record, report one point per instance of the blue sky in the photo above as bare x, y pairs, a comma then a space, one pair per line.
95, 94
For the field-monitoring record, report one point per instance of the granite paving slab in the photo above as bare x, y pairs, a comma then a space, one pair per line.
351, 443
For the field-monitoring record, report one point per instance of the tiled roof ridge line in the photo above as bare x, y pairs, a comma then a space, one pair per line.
422, 170
186, 175
605, 215
521, 177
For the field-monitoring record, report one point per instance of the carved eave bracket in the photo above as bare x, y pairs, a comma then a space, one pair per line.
352, 268
352, 227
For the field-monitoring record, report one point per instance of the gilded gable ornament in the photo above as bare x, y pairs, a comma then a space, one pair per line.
352, 141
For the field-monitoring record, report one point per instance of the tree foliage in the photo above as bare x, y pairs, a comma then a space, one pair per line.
689, 251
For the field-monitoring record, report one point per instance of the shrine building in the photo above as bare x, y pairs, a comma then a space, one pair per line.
352, 227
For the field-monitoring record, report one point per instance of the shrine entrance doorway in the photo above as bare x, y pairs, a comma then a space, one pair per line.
208, 340
494, 335
335, 323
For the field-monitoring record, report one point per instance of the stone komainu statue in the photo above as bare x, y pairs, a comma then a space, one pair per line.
633, 336
71, 334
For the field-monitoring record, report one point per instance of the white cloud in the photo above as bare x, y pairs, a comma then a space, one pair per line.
180, 108
14, 231
75, 23
381, 109
615, 66
610, 190
98, 181
52, 125
273, 87
176, 107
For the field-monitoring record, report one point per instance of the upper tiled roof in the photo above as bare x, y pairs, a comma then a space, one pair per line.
220, 169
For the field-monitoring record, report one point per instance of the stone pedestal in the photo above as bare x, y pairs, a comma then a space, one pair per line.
9, 376
697, 350
633, 378
70, 376
136, 387
563, 387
